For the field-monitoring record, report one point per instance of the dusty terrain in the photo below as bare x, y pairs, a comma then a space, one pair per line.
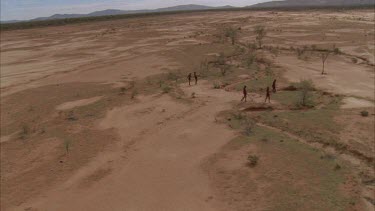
99, 116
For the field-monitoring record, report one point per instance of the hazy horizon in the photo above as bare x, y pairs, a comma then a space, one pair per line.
26, 9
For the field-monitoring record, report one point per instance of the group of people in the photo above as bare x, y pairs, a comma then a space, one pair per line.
268, 94
195, 77
244, 98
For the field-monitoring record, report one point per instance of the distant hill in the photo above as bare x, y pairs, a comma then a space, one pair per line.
309, 3
188, 7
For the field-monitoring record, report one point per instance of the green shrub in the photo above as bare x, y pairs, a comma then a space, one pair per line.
216, 85
305, 87
166, 89
364, 113
252, 160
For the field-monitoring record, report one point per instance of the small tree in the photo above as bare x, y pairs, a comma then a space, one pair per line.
232, 34
224, 69
306, 86
221, 59
251, 58
204, 66
260, 32
324, 57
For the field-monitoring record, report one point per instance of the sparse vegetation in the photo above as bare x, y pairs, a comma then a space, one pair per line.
166, 89
204, 66
71, 116
364, 113
305, 87
337, 167
172, 76
232, 34
67, 145
216, 85
251, 46
122, 90
324, 57
221, 59
274, 138
133, 94
250, 59
252, 160
260, 32
25, 130
224, 69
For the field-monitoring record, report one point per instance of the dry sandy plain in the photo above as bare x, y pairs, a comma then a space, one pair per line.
99, 116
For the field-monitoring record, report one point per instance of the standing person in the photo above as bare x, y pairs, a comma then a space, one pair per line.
268, 95
274, 86
189, 78
244, 94
196, 78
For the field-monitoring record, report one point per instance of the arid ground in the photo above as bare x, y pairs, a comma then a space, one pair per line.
100, 116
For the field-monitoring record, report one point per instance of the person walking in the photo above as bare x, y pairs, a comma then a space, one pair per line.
189, 78
196, 78
274, 86
268, 95
244, 94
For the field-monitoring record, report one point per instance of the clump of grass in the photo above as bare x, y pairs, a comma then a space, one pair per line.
249, 126
25, 130
193, 95
251, 46
248, 130
300, 52
31, 108
217, 85
166, 89
337, 167
239, 116
133, 94
364, 113
264, 140
71, 116
224, 69
354, 60
122, 90
204, 66
250, 59
336, 51
172, 76
221, 59
252, 160
67, 145
274, 51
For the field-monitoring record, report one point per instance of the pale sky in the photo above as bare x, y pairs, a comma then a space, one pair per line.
28, 9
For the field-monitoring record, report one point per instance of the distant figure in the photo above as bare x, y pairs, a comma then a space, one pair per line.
274, 86
268, 95
196, 78
189, 78
244, 94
